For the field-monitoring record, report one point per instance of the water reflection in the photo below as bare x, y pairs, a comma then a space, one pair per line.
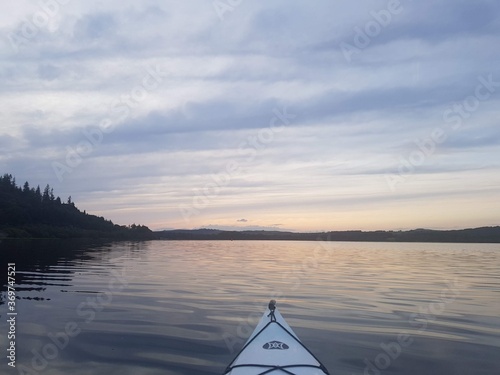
180, 307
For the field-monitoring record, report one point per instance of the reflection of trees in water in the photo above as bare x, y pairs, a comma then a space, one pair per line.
35, 261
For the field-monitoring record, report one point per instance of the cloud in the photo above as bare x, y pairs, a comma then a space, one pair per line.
355, 122
94, 26
242, 220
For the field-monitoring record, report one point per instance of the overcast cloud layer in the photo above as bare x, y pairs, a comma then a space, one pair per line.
294, 115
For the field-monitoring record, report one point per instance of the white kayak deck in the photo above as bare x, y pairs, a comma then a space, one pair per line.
273, 348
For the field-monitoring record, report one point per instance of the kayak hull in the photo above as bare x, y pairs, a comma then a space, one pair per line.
273, 348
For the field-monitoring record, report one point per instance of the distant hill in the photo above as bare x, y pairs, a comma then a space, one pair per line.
478, 235
27, 212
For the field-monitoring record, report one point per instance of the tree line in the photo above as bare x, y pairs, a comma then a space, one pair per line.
27, 211
476, 235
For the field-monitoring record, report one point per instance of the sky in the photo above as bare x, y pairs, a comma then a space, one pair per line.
286, 115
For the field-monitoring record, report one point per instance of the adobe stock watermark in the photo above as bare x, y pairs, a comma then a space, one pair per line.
202, 197
246, 326
454, 117
295, 277
58, 341
221, 7
31, 26
363, 36
391, 351
120, 109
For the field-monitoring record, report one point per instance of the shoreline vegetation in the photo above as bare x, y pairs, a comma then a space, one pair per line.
473, 235
29, 213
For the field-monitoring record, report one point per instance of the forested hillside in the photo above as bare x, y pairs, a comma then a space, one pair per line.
32, 213
476, 235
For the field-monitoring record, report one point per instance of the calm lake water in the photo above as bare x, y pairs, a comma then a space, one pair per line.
182, 308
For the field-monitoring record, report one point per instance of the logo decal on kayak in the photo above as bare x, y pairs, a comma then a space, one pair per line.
275, 345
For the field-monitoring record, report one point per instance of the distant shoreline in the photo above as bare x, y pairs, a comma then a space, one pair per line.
473, 235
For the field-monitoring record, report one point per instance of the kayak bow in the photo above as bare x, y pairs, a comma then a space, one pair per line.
273, 348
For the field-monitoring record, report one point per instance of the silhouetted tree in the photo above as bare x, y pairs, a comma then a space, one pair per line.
46, 194
38, 193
